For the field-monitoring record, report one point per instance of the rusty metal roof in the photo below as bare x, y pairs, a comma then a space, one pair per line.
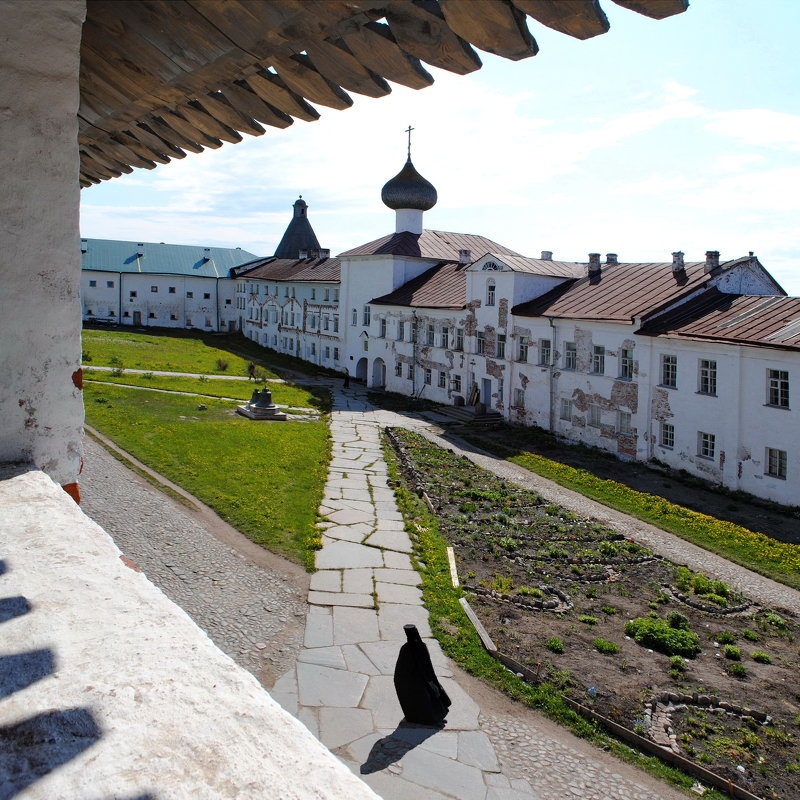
439, 245
769, 321
541, 266
314, 270
162, 78
622, 292
442, 286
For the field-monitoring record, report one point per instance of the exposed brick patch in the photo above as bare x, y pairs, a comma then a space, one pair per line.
130, 563
73, 490
77, 378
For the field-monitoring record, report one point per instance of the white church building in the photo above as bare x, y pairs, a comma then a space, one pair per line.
693, 364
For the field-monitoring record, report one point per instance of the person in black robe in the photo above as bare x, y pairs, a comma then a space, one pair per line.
422, 698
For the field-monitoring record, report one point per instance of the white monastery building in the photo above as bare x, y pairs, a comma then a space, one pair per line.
692, 364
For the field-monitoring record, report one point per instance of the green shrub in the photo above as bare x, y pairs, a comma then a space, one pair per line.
702, 585
610, 610
659, 635
222, 364
586, 619
732, 652
751, 636
683, 578
716, 599
508, 543
776, 620
737, 670
677, 663
725, 638
720, 588
605, 647
554, 645
761, 657
531, 591
678, 621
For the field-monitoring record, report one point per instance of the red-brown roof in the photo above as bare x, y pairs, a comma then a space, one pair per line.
442, 286
440, 245
769, 321
621, 292
324, 270
541, 266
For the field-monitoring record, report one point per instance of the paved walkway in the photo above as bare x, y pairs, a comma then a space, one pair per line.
179, 374
363, 593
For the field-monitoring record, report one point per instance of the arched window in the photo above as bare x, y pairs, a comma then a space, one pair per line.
490, 291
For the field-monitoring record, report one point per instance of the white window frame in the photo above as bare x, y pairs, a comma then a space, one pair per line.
354, 320
519, 398
570, 355
666, 435
491, 292
398, 369
594, 415
367, 316
625, 423
566, 409
706, 445
776, 463
442, 380
382, 328
545, 352
669, 370
480, 342
778, 388
522, 348
501, 345
707, 376
599, 359
430, 336
456, 383
428, 376
444, 337
459, 343
401, 330
626, 363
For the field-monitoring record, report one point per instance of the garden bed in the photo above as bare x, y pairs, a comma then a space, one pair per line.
714, 677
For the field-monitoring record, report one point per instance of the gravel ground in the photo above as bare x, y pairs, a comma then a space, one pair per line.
254, 612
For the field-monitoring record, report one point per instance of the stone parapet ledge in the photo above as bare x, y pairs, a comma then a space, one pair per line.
108, 689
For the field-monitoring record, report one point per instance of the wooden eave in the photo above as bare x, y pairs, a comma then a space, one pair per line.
163, 77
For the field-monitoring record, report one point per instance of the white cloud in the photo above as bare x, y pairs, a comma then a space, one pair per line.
758, 126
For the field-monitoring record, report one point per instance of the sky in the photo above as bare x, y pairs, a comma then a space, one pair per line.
678, 134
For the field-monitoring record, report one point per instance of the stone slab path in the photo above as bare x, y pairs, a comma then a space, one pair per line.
342, 687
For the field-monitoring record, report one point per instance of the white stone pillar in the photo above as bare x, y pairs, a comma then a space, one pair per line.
41, 406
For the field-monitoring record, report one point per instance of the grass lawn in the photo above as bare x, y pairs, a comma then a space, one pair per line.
282, 393
265, 479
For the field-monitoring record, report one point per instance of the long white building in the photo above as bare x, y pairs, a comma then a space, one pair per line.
693, 364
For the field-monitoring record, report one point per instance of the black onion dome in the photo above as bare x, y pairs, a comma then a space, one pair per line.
408, 189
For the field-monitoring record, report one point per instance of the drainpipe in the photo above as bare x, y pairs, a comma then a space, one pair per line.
119, 304
651, 422
552, 383
413, 353
216, 285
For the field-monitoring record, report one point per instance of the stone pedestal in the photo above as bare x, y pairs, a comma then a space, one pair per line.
261, 407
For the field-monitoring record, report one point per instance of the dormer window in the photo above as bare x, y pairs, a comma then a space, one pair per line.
490, 292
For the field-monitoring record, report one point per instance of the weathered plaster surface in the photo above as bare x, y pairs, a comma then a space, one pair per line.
120, 693
40, 405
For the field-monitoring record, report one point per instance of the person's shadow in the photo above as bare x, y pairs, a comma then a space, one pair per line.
393, 747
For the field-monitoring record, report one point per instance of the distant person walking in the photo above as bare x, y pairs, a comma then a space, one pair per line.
251, 371
346, 378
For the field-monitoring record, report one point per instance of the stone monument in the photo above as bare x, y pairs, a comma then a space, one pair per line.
261, 406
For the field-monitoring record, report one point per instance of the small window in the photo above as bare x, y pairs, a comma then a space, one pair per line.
171, 290
382, 332
410, 372
208, 322
519, 398
481, 343
545, 350
599, 359
133, 294
430, 335
313, 348
501, 345
327, 295
188, 322
566, 409
354, 319
401, 330
706, 444
313, 293
442, 380
427, 377
92, 284
669, 371
173, 316
151, 315
459, 339
109, 284
227, 301
335, 295
336, 353
490, 293
336, 323
456, 383
366, 344
398, 369
776, 463
89, 312
126, 313
595, 416
206, 296
326, 322
624, 423
626, 363
285, 291
444, 339
367, 315
522, 352
778, 388
570, 355
707, 378
293, 292
667, 435
190, 295
154, 289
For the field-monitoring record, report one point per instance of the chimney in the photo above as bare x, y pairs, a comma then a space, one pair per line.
594, 266
207, 253
303, 255
677, 261
324, 252
547, 255
140, 249
85, 246
464, 256
611, 258
712, 260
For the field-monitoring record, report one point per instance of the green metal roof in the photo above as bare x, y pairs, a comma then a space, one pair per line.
109, 255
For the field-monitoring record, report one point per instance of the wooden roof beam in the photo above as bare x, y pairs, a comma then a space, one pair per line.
206, 123
300, 75
579, 18
374, 46
272, 90
189, 131
247, 102
495, 26
216, 104
420, 29
171, 134
657, 9
335, 61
